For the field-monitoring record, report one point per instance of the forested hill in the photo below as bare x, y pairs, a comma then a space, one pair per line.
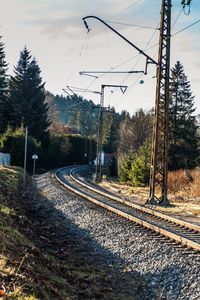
82, 116
75, 111
69, 106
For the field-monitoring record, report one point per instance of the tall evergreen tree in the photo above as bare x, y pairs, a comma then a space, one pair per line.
113, 140
27, 97
134, 131
3, 89
183, 139
107, 122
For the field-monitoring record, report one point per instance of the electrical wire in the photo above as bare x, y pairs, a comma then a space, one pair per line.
178, 16
140, 76
132, 25
146, 49
124, 24
83, 45
114, 15
183, 29
194, 23
140, 56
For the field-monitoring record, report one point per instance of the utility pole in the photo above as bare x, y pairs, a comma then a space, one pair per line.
123, 88
159, 158
99, 138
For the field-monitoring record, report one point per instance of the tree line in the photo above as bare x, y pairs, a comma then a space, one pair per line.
134, 151
62, 130
23, 103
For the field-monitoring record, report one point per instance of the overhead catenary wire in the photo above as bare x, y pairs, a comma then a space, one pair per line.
149, 59
132, 25
83, 45
88, 29
147, 49
176, 33
176, 19
138, 77
183, 29
124, 9
84, 105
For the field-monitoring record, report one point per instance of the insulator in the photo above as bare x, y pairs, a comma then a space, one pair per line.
186, 2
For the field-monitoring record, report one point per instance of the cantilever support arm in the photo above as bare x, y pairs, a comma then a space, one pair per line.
149, 59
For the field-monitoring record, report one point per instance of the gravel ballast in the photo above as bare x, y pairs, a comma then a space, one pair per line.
170, 271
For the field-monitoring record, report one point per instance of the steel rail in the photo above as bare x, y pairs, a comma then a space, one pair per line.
173, 236
136, 206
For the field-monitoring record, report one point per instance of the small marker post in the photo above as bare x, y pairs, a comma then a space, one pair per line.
34, 157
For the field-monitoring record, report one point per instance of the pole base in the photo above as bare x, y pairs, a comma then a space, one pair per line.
158, 201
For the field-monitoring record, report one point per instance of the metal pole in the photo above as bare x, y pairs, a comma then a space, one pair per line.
159, 159
25, 157
98, 159
149, 59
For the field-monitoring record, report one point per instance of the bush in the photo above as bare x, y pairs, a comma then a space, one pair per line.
178, 181
140, 167
61, 150
125, 167
195, 185
13, 141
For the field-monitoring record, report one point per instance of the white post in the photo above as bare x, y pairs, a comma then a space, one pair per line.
34, 157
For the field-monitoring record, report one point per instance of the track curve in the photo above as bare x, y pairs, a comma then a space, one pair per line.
184, 233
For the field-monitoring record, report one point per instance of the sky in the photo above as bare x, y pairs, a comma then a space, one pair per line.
56, 36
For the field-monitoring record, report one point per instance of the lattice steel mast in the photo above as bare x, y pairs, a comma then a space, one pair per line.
159, 160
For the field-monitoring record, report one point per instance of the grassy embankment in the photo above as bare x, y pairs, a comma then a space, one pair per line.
32, 265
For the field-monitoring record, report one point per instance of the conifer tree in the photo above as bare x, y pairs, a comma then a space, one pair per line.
125, 166
183, 139
140, 167
3, 89
107, 122
27, 97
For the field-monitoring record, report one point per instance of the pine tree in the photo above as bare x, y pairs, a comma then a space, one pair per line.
134, 131
27, 97
183, 139
114, 132
107, 122
3, 89
37, 117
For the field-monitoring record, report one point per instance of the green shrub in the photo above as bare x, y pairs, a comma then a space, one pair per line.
140, 166
61, 150
125, 167
12, 141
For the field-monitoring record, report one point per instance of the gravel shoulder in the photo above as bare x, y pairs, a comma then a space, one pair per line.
162, 269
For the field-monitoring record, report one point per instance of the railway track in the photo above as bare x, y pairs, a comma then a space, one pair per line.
184, 233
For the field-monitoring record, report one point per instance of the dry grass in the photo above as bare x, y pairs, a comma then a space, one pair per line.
184, 184
183, 194
195, 185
